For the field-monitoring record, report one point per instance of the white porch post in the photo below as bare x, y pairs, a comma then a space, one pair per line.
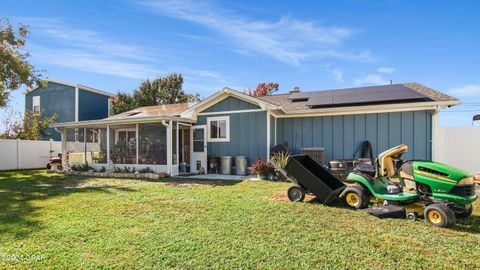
64, 147
136, 142
108, 145
268, 136
169, 147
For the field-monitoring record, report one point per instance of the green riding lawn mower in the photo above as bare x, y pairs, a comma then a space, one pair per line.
391, 188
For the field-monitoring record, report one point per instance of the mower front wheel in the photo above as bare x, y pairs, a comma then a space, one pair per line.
439, 215
465, 214
356, 197
296, 194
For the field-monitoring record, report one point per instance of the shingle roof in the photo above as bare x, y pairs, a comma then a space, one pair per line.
287, 105
168, 110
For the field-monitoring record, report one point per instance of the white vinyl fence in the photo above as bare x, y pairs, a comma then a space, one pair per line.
20, 154
459, 147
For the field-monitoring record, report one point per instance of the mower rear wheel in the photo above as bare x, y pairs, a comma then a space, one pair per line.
439, 215
296, 194
356, 197
468, 211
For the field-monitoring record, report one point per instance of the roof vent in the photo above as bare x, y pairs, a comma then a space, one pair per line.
295, 89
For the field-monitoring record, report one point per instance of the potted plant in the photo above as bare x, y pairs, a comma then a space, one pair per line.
263, 170
280, 159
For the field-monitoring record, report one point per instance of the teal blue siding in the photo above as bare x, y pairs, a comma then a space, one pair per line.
341, 135
248, 136
231, 104
56, 99
91, 106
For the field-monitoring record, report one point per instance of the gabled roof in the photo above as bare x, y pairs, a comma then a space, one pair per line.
75, 85
223, 94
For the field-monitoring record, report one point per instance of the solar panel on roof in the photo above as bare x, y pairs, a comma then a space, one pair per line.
364, 95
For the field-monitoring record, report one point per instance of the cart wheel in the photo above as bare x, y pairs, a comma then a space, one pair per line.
296, 194
468, 211
439, 215
411, 216
356, 197
49, 166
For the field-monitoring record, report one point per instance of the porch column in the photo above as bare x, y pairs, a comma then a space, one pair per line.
64, 147
169, 147
108, 145
136, 143
268, 137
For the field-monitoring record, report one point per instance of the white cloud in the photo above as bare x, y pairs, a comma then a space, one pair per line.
371, 79
338, 75
470, 90
288, 40
386, 70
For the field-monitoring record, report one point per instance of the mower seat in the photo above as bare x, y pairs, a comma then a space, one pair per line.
385, 161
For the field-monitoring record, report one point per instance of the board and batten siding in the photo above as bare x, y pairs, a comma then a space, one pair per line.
55, 99
341, 135
248, 132
91, 106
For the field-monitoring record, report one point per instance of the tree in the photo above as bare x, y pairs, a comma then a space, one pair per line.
31, 127
162, 90
264, 89
15, 70
123, 102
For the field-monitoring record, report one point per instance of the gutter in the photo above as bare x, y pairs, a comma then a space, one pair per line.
368, 109
120, 121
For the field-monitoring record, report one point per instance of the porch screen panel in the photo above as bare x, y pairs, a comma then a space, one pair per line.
75, 150
123, 144
96, 139
152, 144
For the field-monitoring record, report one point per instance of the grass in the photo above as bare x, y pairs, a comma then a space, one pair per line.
58, 222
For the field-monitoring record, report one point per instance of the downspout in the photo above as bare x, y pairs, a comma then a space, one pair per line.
169, 146
435, 132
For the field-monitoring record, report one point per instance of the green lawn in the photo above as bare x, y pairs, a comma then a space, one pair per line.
53, 221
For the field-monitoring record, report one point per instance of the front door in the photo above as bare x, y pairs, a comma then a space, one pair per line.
198, 156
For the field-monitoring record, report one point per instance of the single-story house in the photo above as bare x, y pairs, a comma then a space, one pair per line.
70, 102
235, 124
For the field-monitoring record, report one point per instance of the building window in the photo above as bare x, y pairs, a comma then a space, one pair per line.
36, 105
218, 129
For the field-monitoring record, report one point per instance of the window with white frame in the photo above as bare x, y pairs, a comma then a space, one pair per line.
36, 105
218, 129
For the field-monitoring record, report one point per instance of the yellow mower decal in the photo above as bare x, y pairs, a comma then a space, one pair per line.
436, 177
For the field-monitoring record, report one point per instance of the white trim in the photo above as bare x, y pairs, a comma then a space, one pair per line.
75, 85
221, 95
361, 110
114, 121
108, 145
275, 130
76, 103
268, 136
232, 112
136, 142
225, 118
434, 135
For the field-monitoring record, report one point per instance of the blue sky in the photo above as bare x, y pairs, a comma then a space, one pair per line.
316, 45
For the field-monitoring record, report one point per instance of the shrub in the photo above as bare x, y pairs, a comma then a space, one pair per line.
145, 170
262, 168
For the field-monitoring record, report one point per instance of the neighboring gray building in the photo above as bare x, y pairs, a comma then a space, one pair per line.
231, 123
69, 102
